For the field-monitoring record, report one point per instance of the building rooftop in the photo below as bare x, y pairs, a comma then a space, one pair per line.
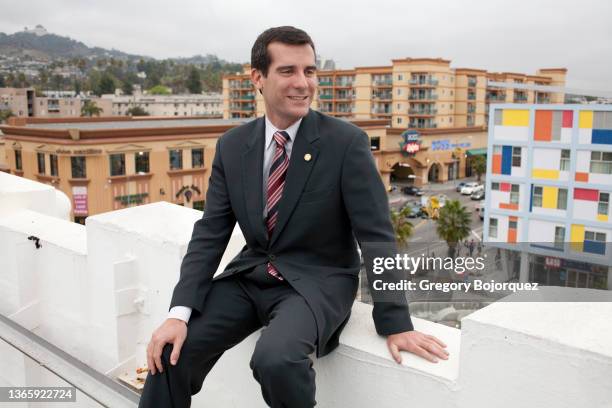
137, 124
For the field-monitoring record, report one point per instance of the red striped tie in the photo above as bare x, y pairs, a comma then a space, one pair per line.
276, 182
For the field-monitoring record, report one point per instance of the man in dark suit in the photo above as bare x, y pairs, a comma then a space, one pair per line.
304, 189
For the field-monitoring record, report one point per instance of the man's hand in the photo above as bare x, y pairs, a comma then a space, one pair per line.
173, 331
417, 343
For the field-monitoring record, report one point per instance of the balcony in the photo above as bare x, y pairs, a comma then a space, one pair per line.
344, 84
472, 82
543, 99
382, 82
381, 111
345, 96
326, 83
422, 125
496, 97
117, 278
326, 96
471, 97
423, 97
422, 112
520, 98
471, 109
383, 96
423, 82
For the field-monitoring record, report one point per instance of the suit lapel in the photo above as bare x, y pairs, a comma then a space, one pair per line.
252, 173
298, 171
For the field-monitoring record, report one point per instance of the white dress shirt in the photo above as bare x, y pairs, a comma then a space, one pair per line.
184, 312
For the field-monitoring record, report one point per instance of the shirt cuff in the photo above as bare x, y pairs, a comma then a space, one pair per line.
180, 312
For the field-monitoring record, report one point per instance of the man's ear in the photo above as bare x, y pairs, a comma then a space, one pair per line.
256, 79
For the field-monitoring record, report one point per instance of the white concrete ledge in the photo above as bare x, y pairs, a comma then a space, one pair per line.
98, 292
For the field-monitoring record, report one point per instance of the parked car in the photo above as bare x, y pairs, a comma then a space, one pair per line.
480, 210
442, 199
412, 190
416, 209
478, 195
460, 186
471, 188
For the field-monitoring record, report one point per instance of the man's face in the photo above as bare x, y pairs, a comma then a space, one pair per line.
291, 82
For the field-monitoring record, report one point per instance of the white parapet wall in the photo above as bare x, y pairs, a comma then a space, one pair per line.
98, 291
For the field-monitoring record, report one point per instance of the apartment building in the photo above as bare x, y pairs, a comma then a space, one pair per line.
208, 105
548, 189
23, 103
418, 93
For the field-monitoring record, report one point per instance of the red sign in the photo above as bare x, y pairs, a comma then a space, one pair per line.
412, 147
79, 200
552, 262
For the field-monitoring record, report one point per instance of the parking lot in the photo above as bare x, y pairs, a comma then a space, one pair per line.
424, 234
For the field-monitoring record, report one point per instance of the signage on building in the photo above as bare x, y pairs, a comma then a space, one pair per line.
551, 262
79, 200
447, 145
411, 143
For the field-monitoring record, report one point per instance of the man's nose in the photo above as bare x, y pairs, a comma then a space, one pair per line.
300, 81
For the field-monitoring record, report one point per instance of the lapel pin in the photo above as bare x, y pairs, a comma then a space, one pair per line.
307, 157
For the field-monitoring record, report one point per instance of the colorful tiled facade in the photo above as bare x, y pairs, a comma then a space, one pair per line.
550, 180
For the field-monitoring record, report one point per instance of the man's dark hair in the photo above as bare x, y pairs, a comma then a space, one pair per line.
260, 59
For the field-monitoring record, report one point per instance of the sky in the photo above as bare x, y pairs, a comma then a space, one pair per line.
496, 35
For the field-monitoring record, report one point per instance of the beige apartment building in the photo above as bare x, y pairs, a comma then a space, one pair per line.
208, 105
24, 102
104, 164
418, 93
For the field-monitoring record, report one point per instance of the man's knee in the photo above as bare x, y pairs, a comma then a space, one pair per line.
271, 359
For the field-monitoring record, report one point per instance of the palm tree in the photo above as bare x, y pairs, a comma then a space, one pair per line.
453, 224
89, 108
401, 226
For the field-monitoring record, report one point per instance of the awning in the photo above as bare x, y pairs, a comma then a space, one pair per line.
477, 152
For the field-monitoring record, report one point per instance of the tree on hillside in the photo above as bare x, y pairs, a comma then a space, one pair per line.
127, 87
106, 85
194, 83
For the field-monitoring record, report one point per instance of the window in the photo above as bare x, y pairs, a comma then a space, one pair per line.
594, 236
562, 199
516, 157
601, 162
537, 196
197, 158
41, 162
141, 161
53, 164
495, 186
117, 164
565, 160
512, 224
514, 194
559, 237
176, 159
77, 163
493, 228
18, 162
400, 77
604, 204
375, 143
399, 121
399, 92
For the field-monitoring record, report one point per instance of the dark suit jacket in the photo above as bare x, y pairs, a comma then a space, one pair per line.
327, 202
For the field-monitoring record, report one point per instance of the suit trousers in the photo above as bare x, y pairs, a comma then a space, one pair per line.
234, 308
